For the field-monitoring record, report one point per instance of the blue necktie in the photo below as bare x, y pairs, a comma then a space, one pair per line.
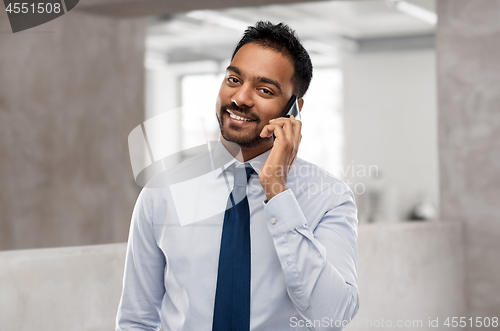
232, 296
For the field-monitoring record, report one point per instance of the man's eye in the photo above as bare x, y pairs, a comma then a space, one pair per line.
233, 80
266, 91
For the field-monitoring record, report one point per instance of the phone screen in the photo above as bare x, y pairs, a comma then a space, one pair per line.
291, 108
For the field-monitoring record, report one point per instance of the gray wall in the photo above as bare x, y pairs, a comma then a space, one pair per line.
468, 48
71, 91
390, 122
409, 272
56, 289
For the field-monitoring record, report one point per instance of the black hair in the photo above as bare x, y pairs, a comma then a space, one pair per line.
281, 38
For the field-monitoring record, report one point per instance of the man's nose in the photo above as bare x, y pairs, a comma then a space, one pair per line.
243, 97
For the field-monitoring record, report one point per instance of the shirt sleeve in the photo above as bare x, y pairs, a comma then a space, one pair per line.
319, 265
143, 286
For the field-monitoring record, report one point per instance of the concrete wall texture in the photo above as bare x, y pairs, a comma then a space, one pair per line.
71, 91
409, 272
468, 48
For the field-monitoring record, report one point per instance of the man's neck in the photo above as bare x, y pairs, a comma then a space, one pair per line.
244, 154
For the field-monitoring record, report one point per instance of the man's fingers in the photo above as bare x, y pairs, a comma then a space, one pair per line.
288, 128
269, 129
287, 131
279, 133
291, 126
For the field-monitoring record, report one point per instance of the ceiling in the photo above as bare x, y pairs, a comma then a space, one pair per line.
325, 28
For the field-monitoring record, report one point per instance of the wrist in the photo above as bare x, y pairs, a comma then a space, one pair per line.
273, 188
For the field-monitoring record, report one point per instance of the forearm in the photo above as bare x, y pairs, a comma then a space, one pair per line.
320, 267
143, 286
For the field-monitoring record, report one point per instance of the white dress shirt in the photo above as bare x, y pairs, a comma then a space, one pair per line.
303, 249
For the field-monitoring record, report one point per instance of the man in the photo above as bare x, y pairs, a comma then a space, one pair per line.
280, 257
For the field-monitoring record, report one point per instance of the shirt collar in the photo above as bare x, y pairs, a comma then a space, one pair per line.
221, 159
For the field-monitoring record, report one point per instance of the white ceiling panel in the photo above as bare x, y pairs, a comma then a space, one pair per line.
321, 25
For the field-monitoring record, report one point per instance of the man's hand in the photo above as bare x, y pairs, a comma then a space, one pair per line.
274, 172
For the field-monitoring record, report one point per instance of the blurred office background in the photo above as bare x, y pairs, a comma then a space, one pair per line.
403, 107
370, 114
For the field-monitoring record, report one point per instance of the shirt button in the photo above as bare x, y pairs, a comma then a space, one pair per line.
273, 220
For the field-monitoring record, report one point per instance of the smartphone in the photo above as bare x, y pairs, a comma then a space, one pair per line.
291, 108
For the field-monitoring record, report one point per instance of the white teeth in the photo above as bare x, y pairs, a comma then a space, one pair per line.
238, 117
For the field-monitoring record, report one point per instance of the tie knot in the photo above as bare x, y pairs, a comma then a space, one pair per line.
242, 175
249, 171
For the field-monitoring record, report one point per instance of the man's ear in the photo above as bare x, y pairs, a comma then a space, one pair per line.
301, 103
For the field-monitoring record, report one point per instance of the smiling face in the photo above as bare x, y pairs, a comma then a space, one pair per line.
256, 88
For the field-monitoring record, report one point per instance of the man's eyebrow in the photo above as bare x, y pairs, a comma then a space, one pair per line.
269, 81
234, 69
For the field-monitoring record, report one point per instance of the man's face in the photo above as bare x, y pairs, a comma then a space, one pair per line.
256, 89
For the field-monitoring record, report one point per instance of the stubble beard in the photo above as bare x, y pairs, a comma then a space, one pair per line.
234, 133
